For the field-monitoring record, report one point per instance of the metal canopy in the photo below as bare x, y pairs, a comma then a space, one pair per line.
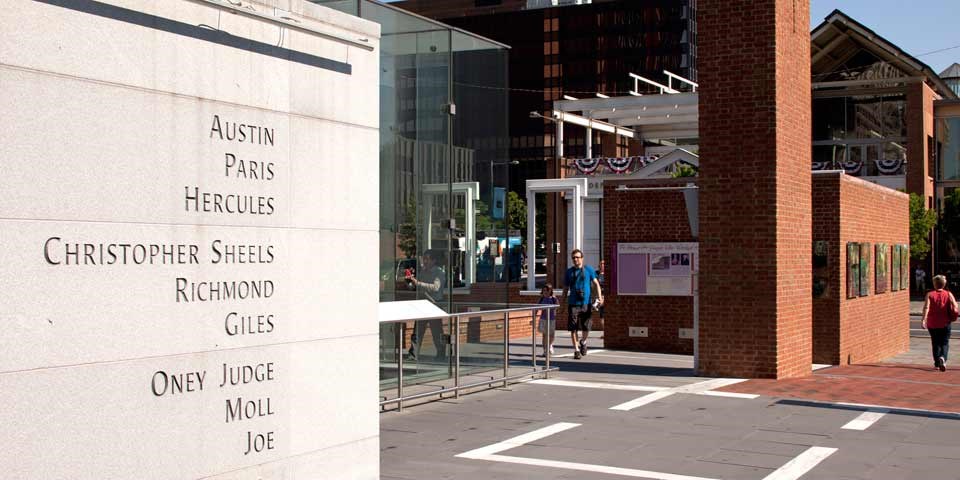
674, 115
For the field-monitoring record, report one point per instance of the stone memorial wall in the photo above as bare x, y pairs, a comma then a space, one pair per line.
188, 231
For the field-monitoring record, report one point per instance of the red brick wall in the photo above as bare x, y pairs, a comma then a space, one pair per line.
919, 127
755, 196
826, 227
864, 329
645, 216
877, 326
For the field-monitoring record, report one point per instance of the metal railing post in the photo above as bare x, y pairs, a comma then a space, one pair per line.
533, 338
401, 330
455, 345
506, 347
546, 350
454, 340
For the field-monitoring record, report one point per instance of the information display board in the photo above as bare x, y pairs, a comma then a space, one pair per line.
664, 269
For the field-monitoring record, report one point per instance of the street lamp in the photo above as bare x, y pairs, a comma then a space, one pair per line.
506, 211
492, 164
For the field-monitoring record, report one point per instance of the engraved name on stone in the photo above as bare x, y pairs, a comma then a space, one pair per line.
199, 200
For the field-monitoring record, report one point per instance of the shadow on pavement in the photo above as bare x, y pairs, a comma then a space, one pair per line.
854, 408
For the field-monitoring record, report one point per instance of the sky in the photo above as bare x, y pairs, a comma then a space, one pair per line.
917, 26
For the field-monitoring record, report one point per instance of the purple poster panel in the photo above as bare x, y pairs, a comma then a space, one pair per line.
656, 269
632, 274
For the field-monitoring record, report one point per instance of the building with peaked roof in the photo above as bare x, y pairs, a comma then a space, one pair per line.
951, 76
873, 107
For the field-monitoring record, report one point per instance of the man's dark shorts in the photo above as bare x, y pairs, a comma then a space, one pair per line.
578, 318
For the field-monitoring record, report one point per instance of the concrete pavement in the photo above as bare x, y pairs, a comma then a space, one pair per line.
638, 415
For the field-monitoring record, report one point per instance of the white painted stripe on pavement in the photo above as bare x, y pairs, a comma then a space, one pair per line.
699, 388
865, 420
605, 386
586, 467
517, 441
748, 396
802, 464
644, 400
792, 470
589, 352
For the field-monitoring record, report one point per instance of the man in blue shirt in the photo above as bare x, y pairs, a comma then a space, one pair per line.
577, 285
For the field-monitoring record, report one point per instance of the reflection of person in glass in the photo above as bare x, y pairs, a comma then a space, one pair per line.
432, 282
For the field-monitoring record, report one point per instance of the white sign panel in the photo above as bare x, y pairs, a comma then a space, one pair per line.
188, 285
656, 268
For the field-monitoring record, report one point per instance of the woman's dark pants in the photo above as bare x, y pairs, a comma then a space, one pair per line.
940, 340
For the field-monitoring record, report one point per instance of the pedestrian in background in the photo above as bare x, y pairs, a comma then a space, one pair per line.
939, 311
578, 282
548, 322
920, 280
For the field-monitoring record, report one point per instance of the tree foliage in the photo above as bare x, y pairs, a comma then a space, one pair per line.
407, 230
517, 213
683, 170
922, 221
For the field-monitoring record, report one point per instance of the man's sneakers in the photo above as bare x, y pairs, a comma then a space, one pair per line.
580, 351
943, 365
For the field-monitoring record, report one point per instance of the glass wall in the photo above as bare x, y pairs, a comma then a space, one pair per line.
948, 140
862, 134
948, 197
443, 176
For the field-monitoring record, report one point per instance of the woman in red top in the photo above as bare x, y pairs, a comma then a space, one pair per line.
936, 319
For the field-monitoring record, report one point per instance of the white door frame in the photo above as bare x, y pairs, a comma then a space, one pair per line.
576, 189
471, 193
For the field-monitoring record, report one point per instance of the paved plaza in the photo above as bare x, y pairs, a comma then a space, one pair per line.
638, 415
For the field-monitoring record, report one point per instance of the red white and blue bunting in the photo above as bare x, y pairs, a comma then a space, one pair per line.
587, 166
890, 166
617, 165
620, 164
852, 166
821, 165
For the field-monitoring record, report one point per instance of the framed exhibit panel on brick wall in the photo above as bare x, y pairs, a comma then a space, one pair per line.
882, 268
853, 270
865, 269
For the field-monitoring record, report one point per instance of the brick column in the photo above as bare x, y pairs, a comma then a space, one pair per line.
755, 197
919, 127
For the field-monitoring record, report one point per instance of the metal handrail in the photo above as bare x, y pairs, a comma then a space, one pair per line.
454, 327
